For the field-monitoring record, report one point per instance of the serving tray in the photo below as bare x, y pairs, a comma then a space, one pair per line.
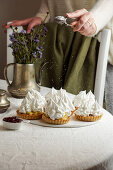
73, 123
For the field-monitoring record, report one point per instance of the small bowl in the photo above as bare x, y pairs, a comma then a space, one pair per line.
13, 123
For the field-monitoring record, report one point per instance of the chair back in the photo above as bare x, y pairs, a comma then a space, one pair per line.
104, 39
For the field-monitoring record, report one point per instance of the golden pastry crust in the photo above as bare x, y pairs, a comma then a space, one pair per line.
56, 121
88, 118
76, 108
37, 115
72, 112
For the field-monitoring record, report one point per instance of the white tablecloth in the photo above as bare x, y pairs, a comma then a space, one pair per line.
42, 148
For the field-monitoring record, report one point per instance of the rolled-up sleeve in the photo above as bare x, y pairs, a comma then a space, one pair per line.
43, 10
102, 13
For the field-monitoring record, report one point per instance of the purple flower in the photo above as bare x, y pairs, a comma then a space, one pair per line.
27, 47
23, 31
23, 43
36, 40
39, 51
34, 54
16, 49
11, 35
13, 39
38, 48
40, 54
45, 29
9, 45
18, 42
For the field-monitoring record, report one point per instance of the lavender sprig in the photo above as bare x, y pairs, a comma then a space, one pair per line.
27, 48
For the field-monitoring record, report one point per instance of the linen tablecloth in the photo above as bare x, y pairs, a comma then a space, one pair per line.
42, 148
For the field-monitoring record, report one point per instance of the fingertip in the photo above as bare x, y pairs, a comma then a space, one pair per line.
4, 25
28, 31
71, 24
13, 24
67, 14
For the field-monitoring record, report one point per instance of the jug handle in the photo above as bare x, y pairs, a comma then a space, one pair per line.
40, 72
5, 73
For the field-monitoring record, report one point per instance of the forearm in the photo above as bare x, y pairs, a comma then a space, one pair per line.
102, 13
43, 10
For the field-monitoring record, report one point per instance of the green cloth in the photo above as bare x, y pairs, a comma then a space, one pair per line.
72, 59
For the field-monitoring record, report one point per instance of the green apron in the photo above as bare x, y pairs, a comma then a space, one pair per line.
72, 59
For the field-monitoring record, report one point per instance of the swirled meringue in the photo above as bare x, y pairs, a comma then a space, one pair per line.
33, 102
80, 99
58, 104
87, 109
87, 105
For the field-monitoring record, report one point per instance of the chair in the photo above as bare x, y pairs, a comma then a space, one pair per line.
104, 39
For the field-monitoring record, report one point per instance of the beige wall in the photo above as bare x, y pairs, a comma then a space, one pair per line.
11, 10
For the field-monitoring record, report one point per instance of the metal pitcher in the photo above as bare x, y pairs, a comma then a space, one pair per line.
4, 102
23, 79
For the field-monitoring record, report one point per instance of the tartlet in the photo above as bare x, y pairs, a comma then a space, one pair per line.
59, 108
89, 118
32, 106
87, 108
30, 115
89, 112
60, 121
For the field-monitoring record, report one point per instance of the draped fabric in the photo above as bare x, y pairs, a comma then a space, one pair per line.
71, 57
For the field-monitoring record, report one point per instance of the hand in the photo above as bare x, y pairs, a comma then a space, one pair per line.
83, 23
31, 22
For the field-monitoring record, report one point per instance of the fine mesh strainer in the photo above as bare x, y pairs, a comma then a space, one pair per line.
64, 20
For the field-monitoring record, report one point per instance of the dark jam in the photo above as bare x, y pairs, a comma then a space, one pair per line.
13, 119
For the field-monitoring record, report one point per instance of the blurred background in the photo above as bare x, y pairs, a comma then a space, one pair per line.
11, 10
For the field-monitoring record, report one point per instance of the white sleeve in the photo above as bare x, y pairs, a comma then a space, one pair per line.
102, 13
43, 10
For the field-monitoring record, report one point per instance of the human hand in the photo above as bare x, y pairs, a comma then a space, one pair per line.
31, 22
83, 23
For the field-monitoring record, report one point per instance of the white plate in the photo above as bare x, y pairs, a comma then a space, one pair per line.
73, 123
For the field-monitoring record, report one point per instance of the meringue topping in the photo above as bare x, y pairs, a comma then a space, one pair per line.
89, 110
87, 105
58, 104
33, 102
80, 98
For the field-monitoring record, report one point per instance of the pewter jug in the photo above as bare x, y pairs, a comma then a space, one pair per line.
23, 79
